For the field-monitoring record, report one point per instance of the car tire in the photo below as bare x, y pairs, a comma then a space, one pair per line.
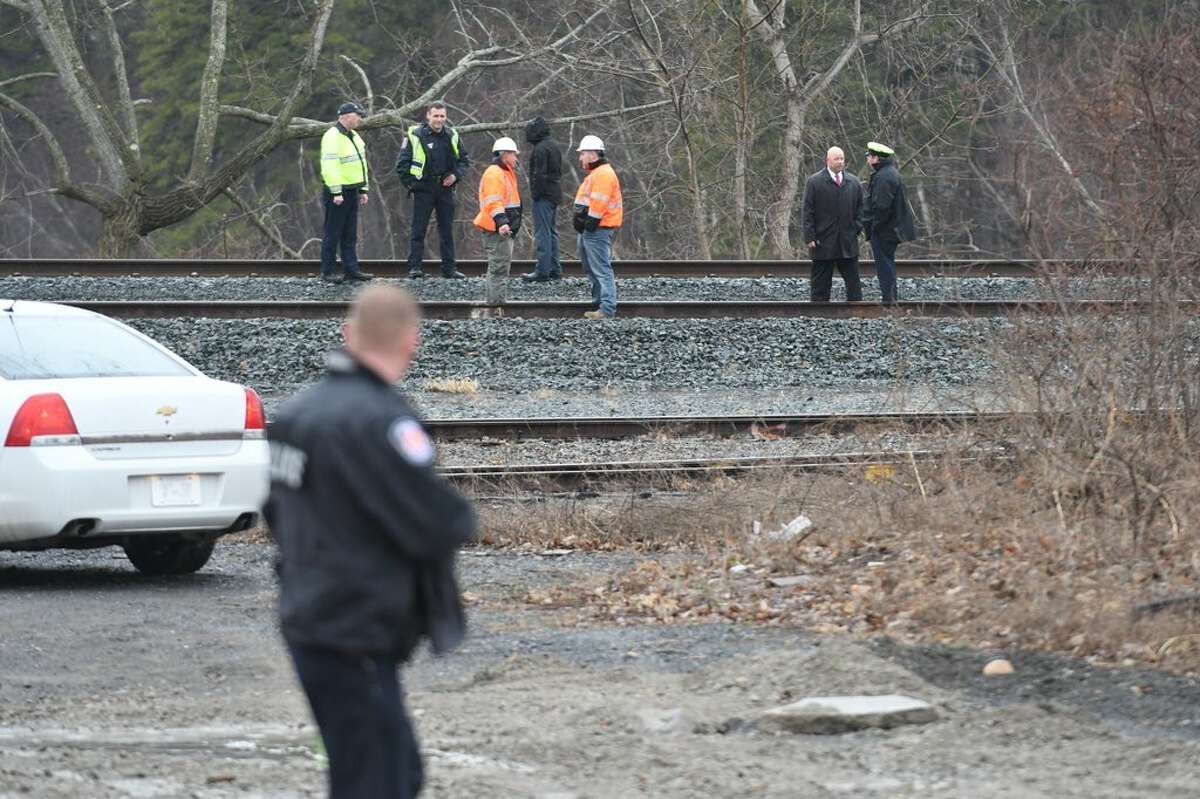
159, 555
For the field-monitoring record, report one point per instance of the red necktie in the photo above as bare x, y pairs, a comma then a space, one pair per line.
838, 179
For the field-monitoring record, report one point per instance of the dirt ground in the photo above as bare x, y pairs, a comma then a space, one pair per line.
113, 685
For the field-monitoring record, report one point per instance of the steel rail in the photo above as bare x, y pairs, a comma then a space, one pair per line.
667, 469
49, 267
765, 425
658, 309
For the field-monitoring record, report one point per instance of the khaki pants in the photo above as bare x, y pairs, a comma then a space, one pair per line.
499, 251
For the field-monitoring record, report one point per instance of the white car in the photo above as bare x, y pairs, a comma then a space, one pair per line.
112, 439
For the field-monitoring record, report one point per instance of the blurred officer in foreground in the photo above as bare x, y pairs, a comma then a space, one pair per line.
598, 215
344, 174
887, 220
833, 200
367, 533
432, 161
499, 216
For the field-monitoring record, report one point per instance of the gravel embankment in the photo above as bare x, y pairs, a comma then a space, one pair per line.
537, 355
433, 288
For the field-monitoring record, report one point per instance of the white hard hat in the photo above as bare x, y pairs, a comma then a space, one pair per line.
505, 144
590, 142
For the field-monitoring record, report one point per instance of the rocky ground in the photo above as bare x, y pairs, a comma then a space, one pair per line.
118, 686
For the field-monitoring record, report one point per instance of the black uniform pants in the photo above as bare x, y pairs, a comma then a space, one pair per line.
885, 267
439, 200
822, 279
358, 706
341, 232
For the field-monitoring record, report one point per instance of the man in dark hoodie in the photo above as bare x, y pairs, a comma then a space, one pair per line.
887, 220
545, 187
367, 533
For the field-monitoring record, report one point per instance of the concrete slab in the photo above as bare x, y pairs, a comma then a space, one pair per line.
829, 715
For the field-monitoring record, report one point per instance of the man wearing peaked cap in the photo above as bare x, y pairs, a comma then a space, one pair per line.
887, 220
344, 175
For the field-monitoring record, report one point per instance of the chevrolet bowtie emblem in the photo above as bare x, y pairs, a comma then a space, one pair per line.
167, 410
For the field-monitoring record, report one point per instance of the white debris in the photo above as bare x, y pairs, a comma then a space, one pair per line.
827, 715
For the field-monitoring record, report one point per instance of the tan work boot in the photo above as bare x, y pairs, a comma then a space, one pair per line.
593, 315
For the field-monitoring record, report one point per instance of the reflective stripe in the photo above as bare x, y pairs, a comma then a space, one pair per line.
350, 159
330, 157
417, 169
595, 215
598, 196
518, 205
335, 189
491, 198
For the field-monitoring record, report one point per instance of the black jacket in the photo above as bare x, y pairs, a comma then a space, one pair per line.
366, 529
439, 159
832, 215
886, 213
545, 163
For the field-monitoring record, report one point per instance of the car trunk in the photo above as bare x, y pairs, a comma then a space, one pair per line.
153, 417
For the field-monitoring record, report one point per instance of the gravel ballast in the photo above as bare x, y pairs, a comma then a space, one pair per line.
642, 288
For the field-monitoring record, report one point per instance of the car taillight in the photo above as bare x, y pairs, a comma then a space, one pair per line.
42, 420
255, 426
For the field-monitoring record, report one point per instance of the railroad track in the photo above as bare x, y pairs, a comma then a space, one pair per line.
647, 473
47, 267
763, 425
659, 309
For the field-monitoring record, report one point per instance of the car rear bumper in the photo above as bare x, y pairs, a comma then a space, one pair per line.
48, 491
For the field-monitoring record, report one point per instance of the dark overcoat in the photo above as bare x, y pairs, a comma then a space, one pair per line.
832, 215
887, 214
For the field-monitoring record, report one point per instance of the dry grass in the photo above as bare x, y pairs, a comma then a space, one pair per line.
452, 385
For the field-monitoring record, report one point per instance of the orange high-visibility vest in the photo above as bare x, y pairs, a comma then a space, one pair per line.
497, 193
601, 193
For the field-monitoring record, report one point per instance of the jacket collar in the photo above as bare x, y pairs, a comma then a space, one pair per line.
340, 363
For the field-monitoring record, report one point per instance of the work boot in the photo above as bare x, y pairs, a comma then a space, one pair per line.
415, 274
336, 280
361, 277
453, 274
594, 315
534, 277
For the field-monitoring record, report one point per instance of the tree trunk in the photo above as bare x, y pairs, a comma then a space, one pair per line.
119, 236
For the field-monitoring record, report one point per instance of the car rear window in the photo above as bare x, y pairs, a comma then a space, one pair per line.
41, 347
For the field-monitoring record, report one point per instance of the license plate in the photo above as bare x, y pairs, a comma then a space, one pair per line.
173, 490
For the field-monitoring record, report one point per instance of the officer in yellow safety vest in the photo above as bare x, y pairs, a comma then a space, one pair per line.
499, 216
344, 175
432, 161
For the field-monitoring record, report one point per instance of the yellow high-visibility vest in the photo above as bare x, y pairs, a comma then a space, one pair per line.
343, 160
417, 169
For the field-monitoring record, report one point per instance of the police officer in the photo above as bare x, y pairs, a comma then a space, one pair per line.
367, 533
344, 175
431, 163
887, 220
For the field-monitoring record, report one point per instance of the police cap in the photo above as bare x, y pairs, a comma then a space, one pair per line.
351, 108
875, 148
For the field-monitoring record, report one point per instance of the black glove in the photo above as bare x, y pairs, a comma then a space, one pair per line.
591, 225
578, 223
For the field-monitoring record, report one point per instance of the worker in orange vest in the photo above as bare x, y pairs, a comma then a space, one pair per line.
499, 216
598, 214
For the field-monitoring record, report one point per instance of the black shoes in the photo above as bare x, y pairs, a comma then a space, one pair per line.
361, 277
336, 280
453, 275
534, 277
415, 274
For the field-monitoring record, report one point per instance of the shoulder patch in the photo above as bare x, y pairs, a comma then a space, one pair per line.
411, 441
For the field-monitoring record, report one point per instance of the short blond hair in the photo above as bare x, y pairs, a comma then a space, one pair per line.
381, 315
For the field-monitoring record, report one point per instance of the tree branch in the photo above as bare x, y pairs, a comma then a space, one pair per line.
62, 168
269, 231
28, 76
121, 75
210, 94
365, 80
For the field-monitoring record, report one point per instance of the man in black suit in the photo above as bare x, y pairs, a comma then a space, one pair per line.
833, 203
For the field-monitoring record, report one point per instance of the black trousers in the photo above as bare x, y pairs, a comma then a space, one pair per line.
341, 232
359, 708
885, 267
425, 203
822, 279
